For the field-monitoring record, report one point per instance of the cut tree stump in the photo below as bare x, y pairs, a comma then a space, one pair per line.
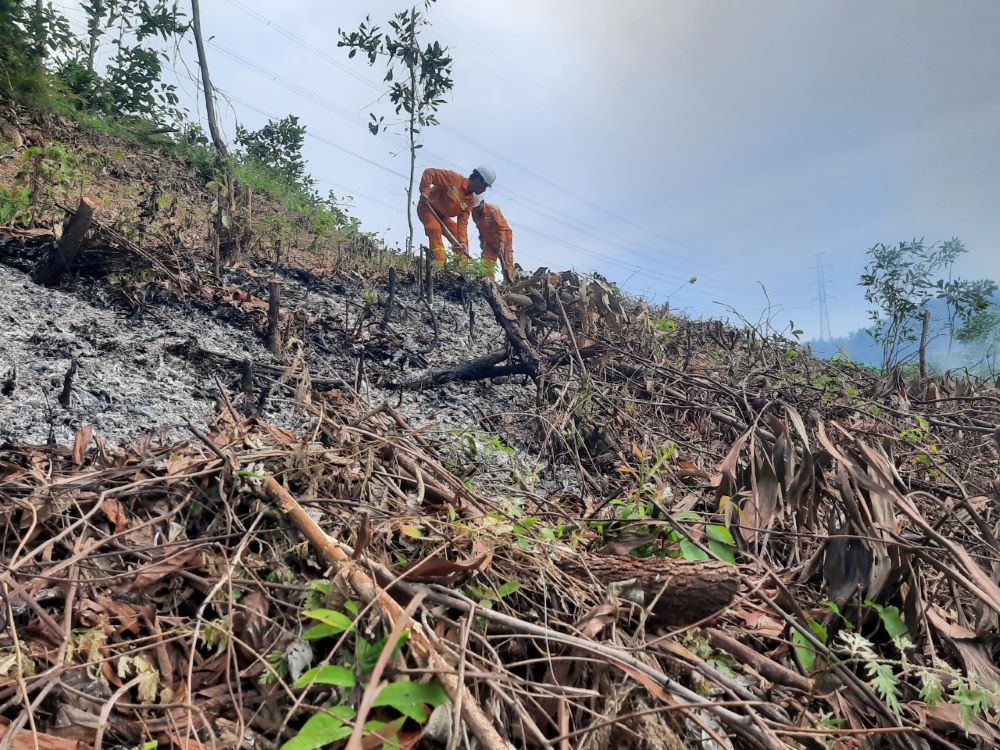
51, 269
677, 592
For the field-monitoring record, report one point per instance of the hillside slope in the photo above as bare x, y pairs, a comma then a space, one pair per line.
542, 516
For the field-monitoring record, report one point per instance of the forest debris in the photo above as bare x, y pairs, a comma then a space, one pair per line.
678, 592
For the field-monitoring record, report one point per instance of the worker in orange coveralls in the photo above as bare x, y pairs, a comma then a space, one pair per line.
447, 196
496, 239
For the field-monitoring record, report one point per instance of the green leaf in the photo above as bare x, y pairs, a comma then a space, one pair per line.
931, 688
330, 617
818, 630
324, 728
804, 650
891, 619
885, 684
691, 551
330, 623
722, 551
508, 588
329, 674
409, 698
720, 534
321, 630
687, 515
368, 652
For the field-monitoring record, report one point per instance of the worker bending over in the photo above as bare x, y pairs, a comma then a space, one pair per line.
496, 240
446, 200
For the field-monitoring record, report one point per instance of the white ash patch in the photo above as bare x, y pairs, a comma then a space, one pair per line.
126, 385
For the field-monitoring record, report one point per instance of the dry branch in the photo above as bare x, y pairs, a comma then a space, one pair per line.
368, 590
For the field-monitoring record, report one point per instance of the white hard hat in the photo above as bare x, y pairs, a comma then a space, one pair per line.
486, 172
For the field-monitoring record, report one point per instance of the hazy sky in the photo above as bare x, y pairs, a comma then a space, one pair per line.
653, 141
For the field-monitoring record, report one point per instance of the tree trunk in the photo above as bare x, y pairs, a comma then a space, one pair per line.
94, 17
924, 331
213, 123
413, 155
676, 592
39, 36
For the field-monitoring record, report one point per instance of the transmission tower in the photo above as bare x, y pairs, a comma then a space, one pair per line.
822, 298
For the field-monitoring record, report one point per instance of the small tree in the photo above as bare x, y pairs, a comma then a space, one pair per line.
419, 76
277, 146
131, 84
899, 282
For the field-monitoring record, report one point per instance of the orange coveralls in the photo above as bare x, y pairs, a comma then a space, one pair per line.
495, 237
448, 193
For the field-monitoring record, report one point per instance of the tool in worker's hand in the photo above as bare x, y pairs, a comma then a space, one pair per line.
444, 227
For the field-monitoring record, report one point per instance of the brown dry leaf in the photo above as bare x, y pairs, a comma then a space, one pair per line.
26, 740
970, 649
187, 743
729, 462
165, 566
442, 570
126, 614
386, 734
625, 543
252, 620
114, 512
760, 506
760, 622
948, 717
80, 443
364, 536
283, 436
597, 619
179, 464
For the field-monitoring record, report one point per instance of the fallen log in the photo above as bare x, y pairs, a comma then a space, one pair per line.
51, 269
486, 367
474, 369
676, 592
